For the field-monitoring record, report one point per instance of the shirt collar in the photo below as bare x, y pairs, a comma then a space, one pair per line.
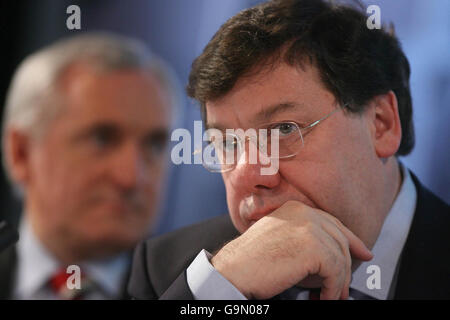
109, 274
36, 265
390, 242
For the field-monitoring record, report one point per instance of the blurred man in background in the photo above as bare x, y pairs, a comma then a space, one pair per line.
84, 138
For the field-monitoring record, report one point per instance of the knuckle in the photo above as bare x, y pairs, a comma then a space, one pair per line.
345, 243
341, 260
292, 203
336, 221
308, 229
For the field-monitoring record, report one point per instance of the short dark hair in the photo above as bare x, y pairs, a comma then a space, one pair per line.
355, 63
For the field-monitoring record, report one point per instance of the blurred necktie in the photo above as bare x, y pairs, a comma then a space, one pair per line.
59, 286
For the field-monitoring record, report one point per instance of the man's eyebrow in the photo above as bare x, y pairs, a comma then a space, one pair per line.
81, 134
275, 109
213, 125
109, 127
266, 114
158, 133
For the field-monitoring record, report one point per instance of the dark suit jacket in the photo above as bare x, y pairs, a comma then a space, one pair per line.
8, 264
159, 264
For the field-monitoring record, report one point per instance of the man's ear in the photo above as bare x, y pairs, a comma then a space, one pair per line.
387, 130
17, 148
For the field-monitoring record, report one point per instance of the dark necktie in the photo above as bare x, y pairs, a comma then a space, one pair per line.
314, 294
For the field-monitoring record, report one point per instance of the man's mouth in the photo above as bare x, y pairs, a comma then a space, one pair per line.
254, 208
122, 205
254, 216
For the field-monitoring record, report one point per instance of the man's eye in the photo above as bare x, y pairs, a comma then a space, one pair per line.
157, 147
157, 144
229, 144
223, 144
102, 139
285, 128
102, 136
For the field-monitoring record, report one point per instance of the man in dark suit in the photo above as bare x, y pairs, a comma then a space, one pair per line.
339, 217
85, 132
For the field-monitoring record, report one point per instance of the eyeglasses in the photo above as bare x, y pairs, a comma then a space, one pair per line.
223, 151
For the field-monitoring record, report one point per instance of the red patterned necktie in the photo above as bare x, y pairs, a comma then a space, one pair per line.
59, 286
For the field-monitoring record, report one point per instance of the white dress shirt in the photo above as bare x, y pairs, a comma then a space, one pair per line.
206, 283
35, 266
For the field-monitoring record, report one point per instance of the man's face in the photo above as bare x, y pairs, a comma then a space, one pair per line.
96, 174
335, 170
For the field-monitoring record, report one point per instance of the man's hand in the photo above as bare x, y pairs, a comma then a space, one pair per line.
287, 246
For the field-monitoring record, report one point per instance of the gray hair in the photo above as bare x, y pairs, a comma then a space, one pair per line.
33, 99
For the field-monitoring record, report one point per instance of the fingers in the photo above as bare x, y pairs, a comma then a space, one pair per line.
335, 283
343, 244
357, 247
330, 291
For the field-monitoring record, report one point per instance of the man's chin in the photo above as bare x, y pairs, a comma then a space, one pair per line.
109, 244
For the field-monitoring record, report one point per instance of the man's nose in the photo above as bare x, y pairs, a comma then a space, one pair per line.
130, 168
251, 176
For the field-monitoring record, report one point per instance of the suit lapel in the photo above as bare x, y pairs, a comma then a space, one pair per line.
8, 262
424, 266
